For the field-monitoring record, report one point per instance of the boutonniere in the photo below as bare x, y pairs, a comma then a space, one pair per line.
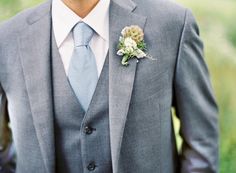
131, 44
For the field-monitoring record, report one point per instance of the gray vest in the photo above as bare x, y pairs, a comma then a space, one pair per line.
81, 138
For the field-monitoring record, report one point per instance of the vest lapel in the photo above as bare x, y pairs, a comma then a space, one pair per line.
34, 45
121, 79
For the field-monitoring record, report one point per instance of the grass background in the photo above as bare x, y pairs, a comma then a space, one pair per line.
218, 31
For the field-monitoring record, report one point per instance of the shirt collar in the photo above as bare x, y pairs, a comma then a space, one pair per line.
64, 19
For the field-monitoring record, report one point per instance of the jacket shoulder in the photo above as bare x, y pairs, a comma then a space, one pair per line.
161, 5
167, 10
18, 22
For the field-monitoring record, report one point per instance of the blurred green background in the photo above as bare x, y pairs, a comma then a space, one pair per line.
218, 31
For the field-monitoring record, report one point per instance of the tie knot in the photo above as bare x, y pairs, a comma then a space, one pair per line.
82, 34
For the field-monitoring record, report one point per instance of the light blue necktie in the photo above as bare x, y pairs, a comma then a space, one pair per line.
82, 73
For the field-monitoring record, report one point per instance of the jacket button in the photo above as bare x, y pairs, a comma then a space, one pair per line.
91, 166
88, 130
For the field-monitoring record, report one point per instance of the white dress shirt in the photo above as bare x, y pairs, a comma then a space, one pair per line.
64, 19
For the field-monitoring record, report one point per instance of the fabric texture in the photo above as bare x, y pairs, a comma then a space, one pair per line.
140, 96
81, 138
83, 75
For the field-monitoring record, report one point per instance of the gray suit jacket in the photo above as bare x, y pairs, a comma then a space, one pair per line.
140, 96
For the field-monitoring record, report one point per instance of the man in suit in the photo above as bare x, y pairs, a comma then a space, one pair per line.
74, 107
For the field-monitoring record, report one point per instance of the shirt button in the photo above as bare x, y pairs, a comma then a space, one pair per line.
91, 166
88, 130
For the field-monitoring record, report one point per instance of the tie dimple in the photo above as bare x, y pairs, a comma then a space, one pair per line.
82, 34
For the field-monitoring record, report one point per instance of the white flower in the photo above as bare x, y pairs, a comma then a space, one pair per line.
121, 52
140, 54
121, 39
124, 30
129, 42
129, 50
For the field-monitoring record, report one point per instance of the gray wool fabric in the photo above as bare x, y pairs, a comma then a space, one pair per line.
75, 149
139, 98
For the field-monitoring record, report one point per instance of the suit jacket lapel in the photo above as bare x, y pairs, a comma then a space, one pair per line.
34, 45
121, 79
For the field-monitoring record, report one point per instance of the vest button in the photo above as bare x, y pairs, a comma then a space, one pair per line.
88, 130
91, 166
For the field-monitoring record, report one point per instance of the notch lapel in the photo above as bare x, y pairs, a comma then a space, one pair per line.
121, 79
34, 45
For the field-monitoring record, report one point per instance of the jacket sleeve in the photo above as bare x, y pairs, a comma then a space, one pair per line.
195, 104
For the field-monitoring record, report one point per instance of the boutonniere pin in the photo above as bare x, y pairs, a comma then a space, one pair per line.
131, 44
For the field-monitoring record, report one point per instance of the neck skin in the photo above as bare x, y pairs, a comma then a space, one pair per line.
81, 7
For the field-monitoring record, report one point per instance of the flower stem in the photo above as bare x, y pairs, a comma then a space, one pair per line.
125, 61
